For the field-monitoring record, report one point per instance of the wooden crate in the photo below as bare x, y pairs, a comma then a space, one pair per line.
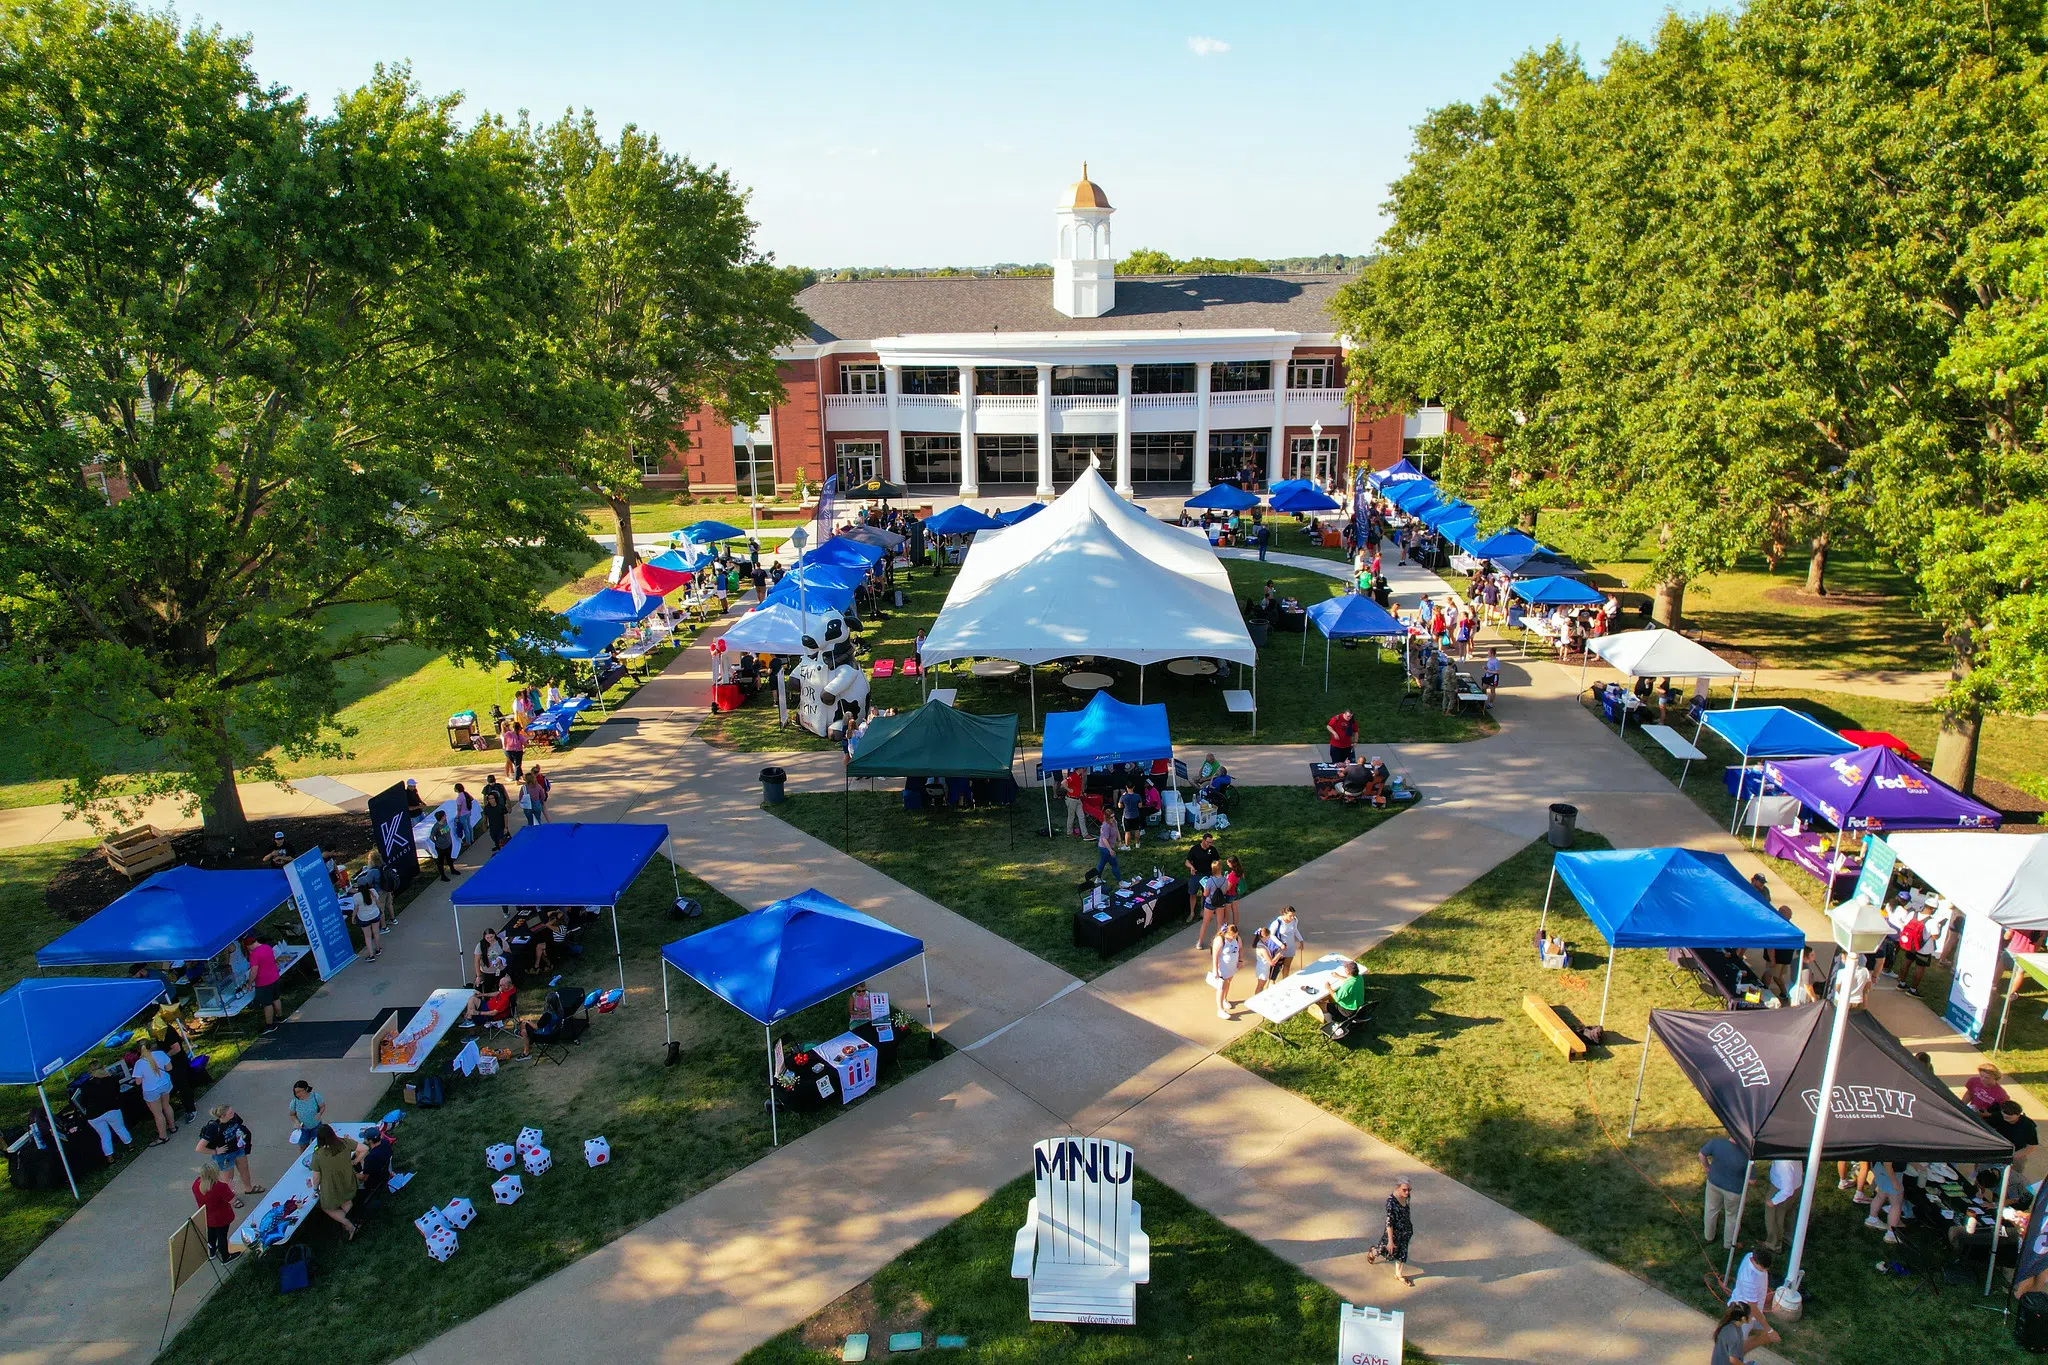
133, 852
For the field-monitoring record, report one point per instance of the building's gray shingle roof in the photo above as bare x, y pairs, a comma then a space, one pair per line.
861, 310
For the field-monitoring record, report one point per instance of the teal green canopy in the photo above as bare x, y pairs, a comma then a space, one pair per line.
936, 741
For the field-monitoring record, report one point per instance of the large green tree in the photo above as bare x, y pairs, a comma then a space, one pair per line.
310, 355
675, 309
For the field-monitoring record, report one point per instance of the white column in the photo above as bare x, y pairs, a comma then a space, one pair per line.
1276, 457
1123, 429
892, 375
970, 468
1202, 426
1044, 489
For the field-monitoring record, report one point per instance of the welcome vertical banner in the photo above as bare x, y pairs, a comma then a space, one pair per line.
320, 912
1969, 994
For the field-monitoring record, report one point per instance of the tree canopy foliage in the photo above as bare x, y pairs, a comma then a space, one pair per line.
265, 372
1774, 277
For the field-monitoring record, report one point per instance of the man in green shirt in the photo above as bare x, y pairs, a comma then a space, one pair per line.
1348, 998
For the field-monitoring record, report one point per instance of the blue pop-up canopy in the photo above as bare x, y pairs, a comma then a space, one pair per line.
816, 574
1224, 497
841, 550
1501, 545
1410, 495
787, 957
181, 914
611, 604
684, 558
711, 532
47, 1023
793, 590
1555, 591
1024, 513
1399, 472
561, 865
1310, 499
1758, 732
1287, 485
1455, 528
1105, 731
1352, 617
1668, 898
1445, 513
959, 519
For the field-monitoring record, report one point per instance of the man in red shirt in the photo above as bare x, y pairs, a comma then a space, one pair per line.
263, 976
1075, 785
1343, 730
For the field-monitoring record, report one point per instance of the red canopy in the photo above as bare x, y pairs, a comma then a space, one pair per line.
1865, 739
651, 581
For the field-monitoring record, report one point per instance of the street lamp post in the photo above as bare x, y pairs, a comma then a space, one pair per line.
753, 479
1315, 453
1859, 927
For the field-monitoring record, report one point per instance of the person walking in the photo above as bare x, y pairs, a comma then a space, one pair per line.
1131, 811
515, 749
1342, 729
1106, 839
1392, 1248
217, 1197
1726, 1169
442, 838
334, 1171
226, 1142
532, 804
496, 805
152, 1072
465, 812
383, 884
370, 920
1741, 1329
308, 1110
263, 976
1224, 952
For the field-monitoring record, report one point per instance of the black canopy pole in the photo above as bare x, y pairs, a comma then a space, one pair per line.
1997, 1221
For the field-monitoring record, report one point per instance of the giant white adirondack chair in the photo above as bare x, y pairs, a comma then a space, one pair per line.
1083, 1246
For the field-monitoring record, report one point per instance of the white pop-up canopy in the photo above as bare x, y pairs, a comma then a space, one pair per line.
1660, 654
1090, 575
2004, 876
775, 629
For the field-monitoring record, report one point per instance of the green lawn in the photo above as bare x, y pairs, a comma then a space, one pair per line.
1214, 1296
397, 701
656, 512
1292, 703
673, 1132
1882, 631
1026, 890
1458, 1076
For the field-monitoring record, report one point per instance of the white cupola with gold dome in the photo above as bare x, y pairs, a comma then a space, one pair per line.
1083, 271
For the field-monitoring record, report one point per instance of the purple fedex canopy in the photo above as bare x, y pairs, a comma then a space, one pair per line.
1876, 789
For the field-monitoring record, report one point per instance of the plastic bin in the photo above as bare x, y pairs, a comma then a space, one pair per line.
1259, 631
772, 783
1564, 823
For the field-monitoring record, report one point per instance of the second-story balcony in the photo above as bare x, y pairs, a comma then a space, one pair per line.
856, 411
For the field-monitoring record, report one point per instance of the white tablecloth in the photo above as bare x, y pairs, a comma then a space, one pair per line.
297, 1183
1312, 983
853, 1062
423, 831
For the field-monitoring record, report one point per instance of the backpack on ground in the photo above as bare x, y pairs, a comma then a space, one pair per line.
431, 1093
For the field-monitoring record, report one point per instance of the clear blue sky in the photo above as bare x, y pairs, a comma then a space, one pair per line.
929, 134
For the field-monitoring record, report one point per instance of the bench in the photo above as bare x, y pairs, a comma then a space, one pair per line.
132, 852
1082, 1248
1561, 1034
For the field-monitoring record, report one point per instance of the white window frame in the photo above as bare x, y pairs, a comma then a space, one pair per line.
1322, 368
865, 379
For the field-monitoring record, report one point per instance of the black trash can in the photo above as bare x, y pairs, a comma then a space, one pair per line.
772, 780
1259, 632
1564, 823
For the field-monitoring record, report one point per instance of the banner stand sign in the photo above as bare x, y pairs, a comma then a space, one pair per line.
320, 911
1969, 993
393, 825
1368, 1336
1874, 882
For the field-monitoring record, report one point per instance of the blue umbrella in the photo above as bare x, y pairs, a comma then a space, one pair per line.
710, 532
1305, 500
1224, 497
960, 519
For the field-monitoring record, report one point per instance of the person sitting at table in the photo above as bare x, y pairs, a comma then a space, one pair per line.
2010, 1122
492, 1009
1347, 997
1982, 1092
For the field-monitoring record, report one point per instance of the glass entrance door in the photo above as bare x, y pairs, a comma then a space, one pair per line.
858, 462
1313, 458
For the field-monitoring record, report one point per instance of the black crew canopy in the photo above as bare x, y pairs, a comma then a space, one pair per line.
1760, 1071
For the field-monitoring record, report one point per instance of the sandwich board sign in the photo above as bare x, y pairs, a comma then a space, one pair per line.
1368, 1336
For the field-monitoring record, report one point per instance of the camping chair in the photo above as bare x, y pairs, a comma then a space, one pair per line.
492, 1021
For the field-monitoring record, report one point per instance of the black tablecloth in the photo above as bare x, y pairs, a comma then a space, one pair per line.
1129, 917
1292, 619
885, 1049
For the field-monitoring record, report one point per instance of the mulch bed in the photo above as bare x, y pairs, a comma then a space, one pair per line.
2018, 807
86, 885
1800, 597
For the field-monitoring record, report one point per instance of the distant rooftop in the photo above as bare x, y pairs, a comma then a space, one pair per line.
863, 310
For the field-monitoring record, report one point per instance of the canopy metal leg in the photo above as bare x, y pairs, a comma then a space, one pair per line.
58, 1139
925, 966
1740, 1204
1326, 658
618, 947
675, 878
668, 1029
1606, 989
774, 1130
1547, 893
1641, 1067
1997, 1223
461, 959
1031, 673
1141, 684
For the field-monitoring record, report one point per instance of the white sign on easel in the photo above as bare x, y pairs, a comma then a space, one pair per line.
1368, 1336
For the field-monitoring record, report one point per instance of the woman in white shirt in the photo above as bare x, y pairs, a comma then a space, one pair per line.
153, 1074
1223, 958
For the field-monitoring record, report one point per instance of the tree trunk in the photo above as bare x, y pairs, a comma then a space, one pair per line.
225, 823
1817, 567
1668, 603
622, 529
1955, 747
1529, 520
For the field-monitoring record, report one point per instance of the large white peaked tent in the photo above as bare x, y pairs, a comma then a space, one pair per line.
1090, 575
1661, 654
2004, 876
